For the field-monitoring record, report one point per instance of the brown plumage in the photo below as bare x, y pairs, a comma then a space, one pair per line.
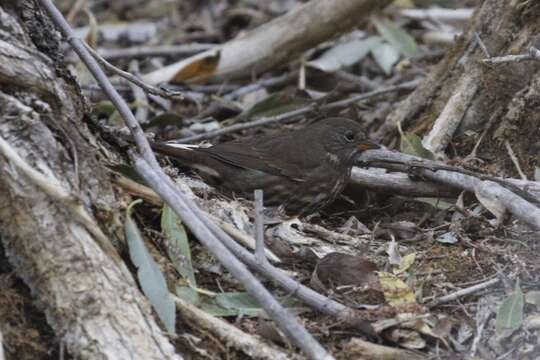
302, 170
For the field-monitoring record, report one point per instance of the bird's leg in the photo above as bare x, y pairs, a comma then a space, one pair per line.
259, 227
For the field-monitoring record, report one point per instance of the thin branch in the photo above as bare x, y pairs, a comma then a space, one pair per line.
515, 160
149, 51
259, 226
533, 54
134, 79
463, 292
410, 85
2, 356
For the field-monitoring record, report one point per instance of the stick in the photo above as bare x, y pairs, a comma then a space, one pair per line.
515, 160
259, 226
132, 78
463, 292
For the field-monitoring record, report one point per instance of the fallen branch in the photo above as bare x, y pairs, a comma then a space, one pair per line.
463, 292
398, 183
521, 202
276, 42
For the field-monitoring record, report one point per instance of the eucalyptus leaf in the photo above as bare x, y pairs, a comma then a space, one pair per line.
345, 54
510, 312
412, 144
177, 245
234, 303
151, 279
447, 238
386, 56
397, 37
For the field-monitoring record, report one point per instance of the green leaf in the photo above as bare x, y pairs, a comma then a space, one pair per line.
104, 108
345, 54
537, 173
412, 144
177, 245
386, 56
510, 312
533, 298
151, 279
234, 303
397, 37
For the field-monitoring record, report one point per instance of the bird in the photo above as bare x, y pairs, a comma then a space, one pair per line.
300, 171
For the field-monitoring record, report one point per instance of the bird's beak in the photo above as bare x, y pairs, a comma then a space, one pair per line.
368, 145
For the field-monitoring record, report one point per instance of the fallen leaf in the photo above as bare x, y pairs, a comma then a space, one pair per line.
151, 279
386, 56
345, 54
510, 312
199, 69
491, 203
396, 292
338, 269
405, 263
177, 245
397, 37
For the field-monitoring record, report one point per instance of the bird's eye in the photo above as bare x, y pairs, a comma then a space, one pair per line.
349, 136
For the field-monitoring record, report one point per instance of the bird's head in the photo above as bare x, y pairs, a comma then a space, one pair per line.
343, 139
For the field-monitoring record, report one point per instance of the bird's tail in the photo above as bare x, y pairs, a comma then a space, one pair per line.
181, 152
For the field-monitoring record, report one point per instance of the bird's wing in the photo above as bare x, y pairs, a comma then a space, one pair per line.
277, 155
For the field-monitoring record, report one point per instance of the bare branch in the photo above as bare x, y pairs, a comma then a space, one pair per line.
259, 226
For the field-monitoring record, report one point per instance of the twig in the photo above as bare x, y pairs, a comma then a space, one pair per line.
482, 45
134, 79
515, 160
533, 54
140, 96
463, 14
148, 51
259, 226
74, 11
301, 111
2, 356
186, 209
229, 334
482, 317
463, 292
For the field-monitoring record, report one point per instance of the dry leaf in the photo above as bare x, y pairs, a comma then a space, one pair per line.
396, 292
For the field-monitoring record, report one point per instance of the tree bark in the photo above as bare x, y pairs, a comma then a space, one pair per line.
88, 295
463, 93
